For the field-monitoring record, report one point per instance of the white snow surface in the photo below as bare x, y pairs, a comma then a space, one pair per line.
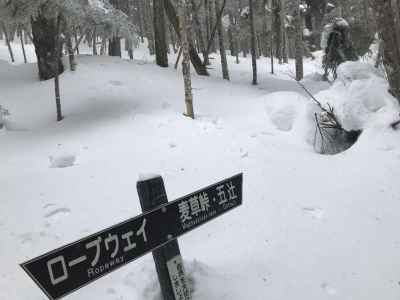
311, 227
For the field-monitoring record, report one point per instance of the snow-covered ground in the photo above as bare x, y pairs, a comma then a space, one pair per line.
311, 227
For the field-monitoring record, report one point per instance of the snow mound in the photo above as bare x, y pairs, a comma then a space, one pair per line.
203, 281
283, 109
354, 70
62, 161
360, 98
313, 77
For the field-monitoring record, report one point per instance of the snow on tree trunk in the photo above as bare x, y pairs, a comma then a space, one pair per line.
224, 63
184, 25
160, 41
44, 33
253, 42
388, 23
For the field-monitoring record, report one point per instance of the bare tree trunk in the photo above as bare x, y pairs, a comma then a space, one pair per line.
129, 47
140, 17
213, 47
76, 40
284, 34
178, 58
3, 26
70, 50
299, 44
379, 55
160, 33
149, 26
237, 28
388, 22
253, 42
94, 40
21, 38
230, 36
173, 38
235, 33
185, 28
57, 56
285, 47
277, 25
114, 46
224, 63
194, 57
208, 28
199, 32
103, 45
265, 29
272, 54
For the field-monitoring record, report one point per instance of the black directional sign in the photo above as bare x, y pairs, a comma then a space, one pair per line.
66, 269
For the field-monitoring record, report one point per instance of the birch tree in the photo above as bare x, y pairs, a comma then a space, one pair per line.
184, 29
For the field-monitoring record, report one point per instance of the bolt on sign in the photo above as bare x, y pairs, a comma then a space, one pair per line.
66, 269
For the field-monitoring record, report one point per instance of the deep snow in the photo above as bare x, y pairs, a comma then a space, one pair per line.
312, 227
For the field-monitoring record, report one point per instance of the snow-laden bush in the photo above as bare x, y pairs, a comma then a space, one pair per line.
359, 96
334, 119
359, 100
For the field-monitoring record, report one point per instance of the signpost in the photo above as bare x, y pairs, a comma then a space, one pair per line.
66, 269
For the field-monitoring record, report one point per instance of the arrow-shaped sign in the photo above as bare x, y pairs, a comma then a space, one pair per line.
66, 269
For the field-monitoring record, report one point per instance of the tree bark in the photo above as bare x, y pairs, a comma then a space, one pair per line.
57, 56
224, 63
76, 40
199, 32
149, 26
277, 24
94, 41
160, 40
387, 22
21, 38
114, 46
3, 27
185, 28
173, 39
44, 32
194, 57
70, 50
299, 44
140, 17
253, 42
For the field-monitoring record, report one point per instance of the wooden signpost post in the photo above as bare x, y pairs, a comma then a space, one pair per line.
67, 269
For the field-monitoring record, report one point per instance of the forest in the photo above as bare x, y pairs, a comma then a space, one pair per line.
302, 97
